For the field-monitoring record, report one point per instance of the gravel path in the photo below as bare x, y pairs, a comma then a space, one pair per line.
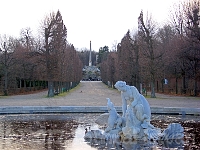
94, 94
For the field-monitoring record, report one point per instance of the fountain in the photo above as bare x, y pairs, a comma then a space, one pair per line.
134, 124
134, 128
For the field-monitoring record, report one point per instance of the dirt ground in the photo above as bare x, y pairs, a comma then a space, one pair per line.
94, 93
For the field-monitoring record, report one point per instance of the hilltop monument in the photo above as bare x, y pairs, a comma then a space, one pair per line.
90, 72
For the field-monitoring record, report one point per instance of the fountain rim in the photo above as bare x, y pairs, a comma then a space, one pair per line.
91, 109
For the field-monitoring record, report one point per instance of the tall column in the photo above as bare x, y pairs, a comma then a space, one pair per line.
90, 57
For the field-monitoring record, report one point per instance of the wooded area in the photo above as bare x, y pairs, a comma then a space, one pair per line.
31, 63
162, 59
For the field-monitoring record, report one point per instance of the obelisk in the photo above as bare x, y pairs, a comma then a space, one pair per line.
90, 57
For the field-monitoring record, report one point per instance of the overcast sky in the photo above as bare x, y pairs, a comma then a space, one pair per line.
101, 21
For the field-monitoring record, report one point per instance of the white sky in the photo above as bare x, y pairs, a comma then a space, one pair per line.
101, 21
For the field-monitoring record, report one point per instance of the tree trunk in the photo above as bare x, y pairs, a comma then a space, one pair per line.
60, 87
6, 82
195, 87
50, 89
153, 90
24, 84
20, 83
184, 86
176, 81
56, 86
157, 88
49, 71
6, 73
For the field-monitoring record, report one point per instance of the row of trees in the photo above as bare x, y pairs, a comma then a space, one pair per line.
47, 60
152, 54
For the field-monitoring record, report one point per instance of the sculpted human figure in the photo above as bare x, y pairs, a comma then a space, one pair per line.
138, 102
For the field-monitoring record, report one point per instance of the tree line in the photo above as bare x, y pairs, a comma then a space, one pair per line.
32, 63
162, 59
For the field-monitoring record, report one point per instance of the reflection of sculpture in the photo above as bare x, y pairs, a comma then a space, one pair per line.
94, 134
135, 121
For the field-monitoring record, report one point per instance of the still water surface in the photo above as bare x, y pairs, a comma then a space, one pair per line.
66, 132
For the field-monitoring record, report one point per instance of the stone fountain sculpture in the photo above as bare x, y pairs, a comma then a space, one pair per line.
134, 124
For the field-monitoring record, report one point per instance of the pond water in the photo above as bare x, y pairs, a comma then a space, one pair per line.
66, 132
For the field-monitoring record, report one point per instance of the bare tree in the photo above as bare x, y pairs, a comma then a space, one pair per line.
7, 60
27, 39
114, 46
192, 15
186, 21
151, 56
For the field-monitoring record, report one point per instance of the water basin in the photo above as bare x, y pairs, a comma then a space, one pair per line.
66, 132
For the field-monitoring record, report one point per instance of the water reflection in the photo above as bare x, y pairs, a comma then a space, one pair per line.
39, 133
66, 132
132, 145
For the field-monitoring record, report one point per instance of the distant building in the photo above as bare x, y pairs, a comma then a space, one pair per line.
91, 73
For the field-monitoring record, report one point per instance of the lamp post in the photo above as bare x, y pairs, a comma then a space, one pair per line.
5, 70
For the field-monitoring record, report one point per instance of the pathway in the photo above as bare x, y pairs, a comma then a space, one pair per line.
94, 94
